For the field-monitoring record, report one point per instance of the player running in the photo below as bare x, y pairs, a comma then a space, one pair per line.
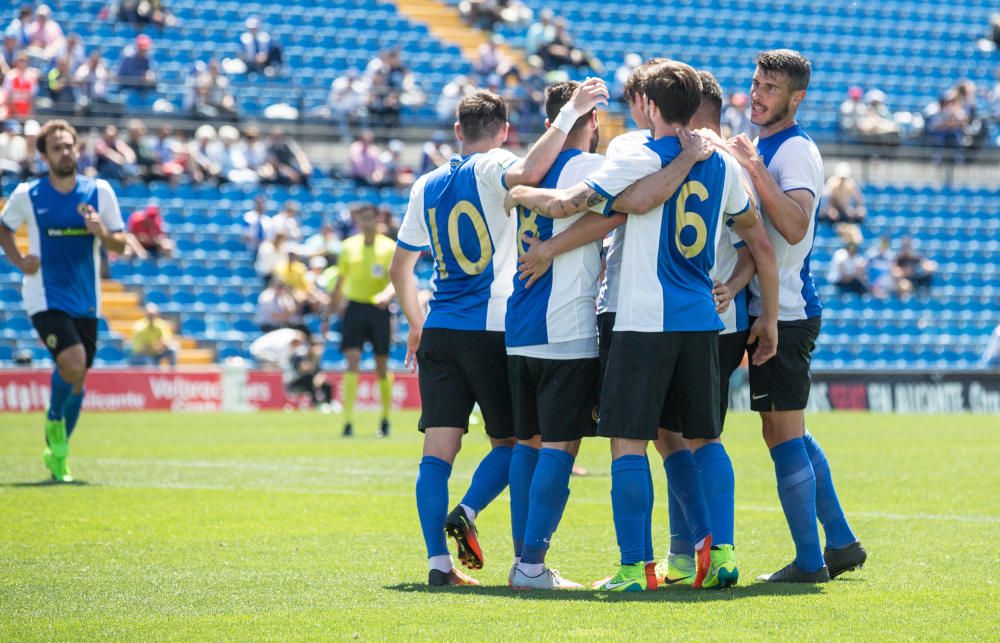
363, 279
665, 347
787, 174
68, 218
551, 335
457, 210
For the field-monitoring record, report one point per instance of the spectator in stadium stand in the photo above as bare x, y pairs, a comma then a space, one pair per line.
851, 110
883, 273
255, 151
288, 163
347, 102
45, 35
115, 159
212, 99
257, 224
269, 253
848, 270
541, 33
201, 162
914, 266
8, 52
363, 157
299, 361
61, 88
153, 340
149, 229
736, 117
292, 271
276, 307
135, 70
946, 120
490, 59
434, 153
12, 148
395, 174
92, 79
145, 160
286, 222
385, 106
232, 152
21, 86
258, 50
452, 93
73, 50
842, 198
145, 12
562, 51
18, 27
164, 147
33, 164
386, 223
325, 243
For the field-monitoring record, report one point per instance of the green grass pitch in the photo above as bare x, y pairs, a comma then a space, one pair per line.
270, 526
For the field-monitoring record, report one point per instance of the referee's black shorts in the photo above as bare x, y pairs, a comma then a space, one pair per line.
58, 331
365, 322
554, 398
458, 369
782, 382
668, 379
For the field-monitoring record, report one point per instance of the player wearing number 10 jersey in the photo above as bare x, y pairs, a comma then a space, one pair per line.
458, 212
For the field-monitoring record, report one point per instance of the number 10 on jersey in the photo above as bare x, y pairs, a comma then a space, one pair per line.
482, 236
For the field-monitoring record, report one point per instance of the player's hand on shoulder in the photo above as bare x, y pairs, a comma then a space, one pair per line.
722, 296
29, 264
591, 93
695, 144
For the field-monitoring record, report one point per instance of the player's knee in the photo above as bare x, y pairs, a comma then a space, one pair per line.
73, 365
535, 442
503, 442
698, 443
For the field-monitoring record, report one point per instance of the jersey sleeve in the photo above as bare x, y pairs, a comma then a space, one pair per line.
17, 210
734, 238
737, 201
797, 166
413, 231
492, 168
621, 171
107, 207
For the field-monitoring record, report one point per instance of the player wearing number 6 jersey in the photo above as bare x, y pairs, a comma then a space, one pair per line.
457, 211
664, 356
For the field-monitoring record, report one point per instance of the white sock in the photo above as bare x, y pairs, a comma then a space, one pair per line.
442, 563
698, 545
531, 569
517, 560
470, 512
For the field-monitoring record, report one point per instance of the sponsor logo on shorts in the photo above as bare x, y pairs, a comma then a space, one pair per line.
52, 341
595, 415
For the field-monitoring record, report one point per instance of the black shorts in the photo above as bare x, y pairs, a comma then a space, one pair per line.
58, 331
554, 398
782, 383
605, 330
661, 379
457, 370
732, 347
365, 322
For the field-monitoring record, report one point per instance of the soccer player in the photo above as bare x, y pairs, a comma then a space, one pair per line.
68, 218
363, 279
458, 211
551, 336
665, 347
787, 174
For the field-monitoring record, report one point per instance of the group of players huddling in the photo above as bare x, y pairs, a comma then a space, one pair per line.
708, 259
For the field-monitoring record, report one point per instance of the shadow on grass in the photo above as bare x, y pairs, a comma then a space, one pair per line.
43, 483
676, 595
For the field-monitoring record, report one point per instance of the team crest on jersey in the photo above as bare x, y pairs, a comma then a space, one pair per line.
52, 341
83, 209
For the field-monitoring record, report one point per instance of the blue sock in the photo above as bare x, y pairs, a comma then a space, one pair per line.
649, 556
681, 540
629, 504
432, 503
548, 496
60, 390
838, 532
522, 468
71, 411
489, 479
682, 471
797, 491
718, 482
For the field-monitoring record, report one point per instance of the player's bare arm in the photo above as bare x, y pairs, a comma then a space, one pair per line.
751, 229
532, 168
657, 188
332, 304
112, 241
27, 264
790, 212
538, 259
743, 272
404, 281
555, 204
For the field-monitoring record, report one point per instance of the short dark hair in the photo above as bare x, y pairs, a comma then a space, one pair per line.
632, 86
558, 95
788, 62
481, 115
711, 95
675, 89
51, 127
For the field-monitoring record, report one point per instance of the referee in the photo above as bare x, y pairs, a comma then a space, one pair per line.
364, 282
